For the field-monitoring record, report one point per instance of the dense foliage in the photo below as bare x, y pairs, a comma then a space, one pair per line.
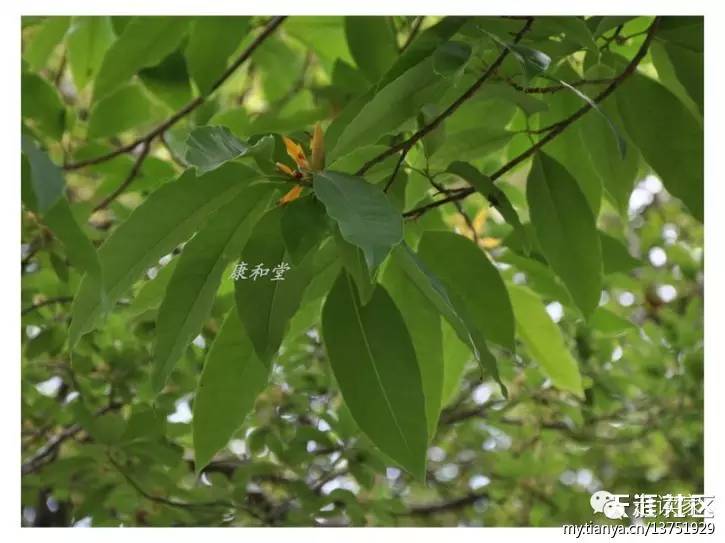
359, 270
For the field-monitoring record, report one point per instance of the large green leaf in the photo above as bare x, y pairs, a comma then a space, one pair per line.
353, 260
145, 42
266, 305
303, 224
671, 143
424, 325
371, 41
566, 230
47, 36
683, 42
190, 293
40, 103
208, 147
365, 215
123, 109
231, 380
88, 40
212, 40
152, 292
391, 106
543, 340
469, 275
166, 218
375, 366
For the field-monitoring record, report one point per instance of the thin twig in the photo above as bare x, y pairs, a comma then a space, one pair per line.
49, 301
188, 108
132, 174
553, 133
406, 145
413, 32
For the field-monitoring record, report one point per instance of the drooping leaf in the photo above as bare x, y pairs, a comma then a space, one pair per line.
212, 40
451, 58
375, 366
371, 41
683, 41
266, 304
145, 42
190, 293
365, 215
231, 380
424, 325
566, 230
41, 104
544, 341
677, 158
169, 82
303, 224
469, 275
456, 354
88, 40
353, 260
166, 218
45, 39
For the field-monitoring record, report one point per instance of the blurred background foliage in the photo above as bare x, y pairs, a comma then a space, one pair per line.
99, 450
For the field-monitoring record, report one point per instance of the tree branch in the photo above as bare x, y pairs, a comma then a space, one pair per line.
188, 108
49, 301
406, 145
132, 174
553, 133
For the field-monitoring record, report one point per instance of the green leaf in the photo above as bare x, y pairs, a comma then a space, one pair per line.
469, 275
123, 109
152, 292
353, 260
212, 40
390, 107
303, 224
566, 230
266, 306
544, 341
677, 158
46, 178
232, 379
424, 325
374, 363
166, 218
145, 42
608, 323
450, 58
88, 40
45, 39
615, 256
371, 41
683, 42
40, 103
169, 81
208, 147
365, 215
483, 184
191, 291
456, 354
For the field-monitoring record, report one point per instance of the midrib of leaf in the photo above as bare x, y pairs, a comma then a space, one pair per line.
372, 363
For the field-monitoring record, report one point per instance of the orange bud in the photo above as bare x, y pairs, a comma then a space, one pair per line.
318, 148
285, 169
294, 150
291, 196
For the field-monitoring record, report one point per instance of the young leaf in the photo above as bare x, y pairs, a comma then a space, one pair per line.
365, 215
231, 380
566, 230
166, 218
266, 304
145, 41
544, 341
212, 40
371, 41
424, 325
190, 294
374, 363
677, 158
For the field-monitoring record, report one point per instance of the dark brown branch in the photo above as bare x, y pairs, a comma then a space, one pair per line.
444, 507
413, 32
553, 133
132, 174
49, 301
556, 88
188, 108
406, 145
